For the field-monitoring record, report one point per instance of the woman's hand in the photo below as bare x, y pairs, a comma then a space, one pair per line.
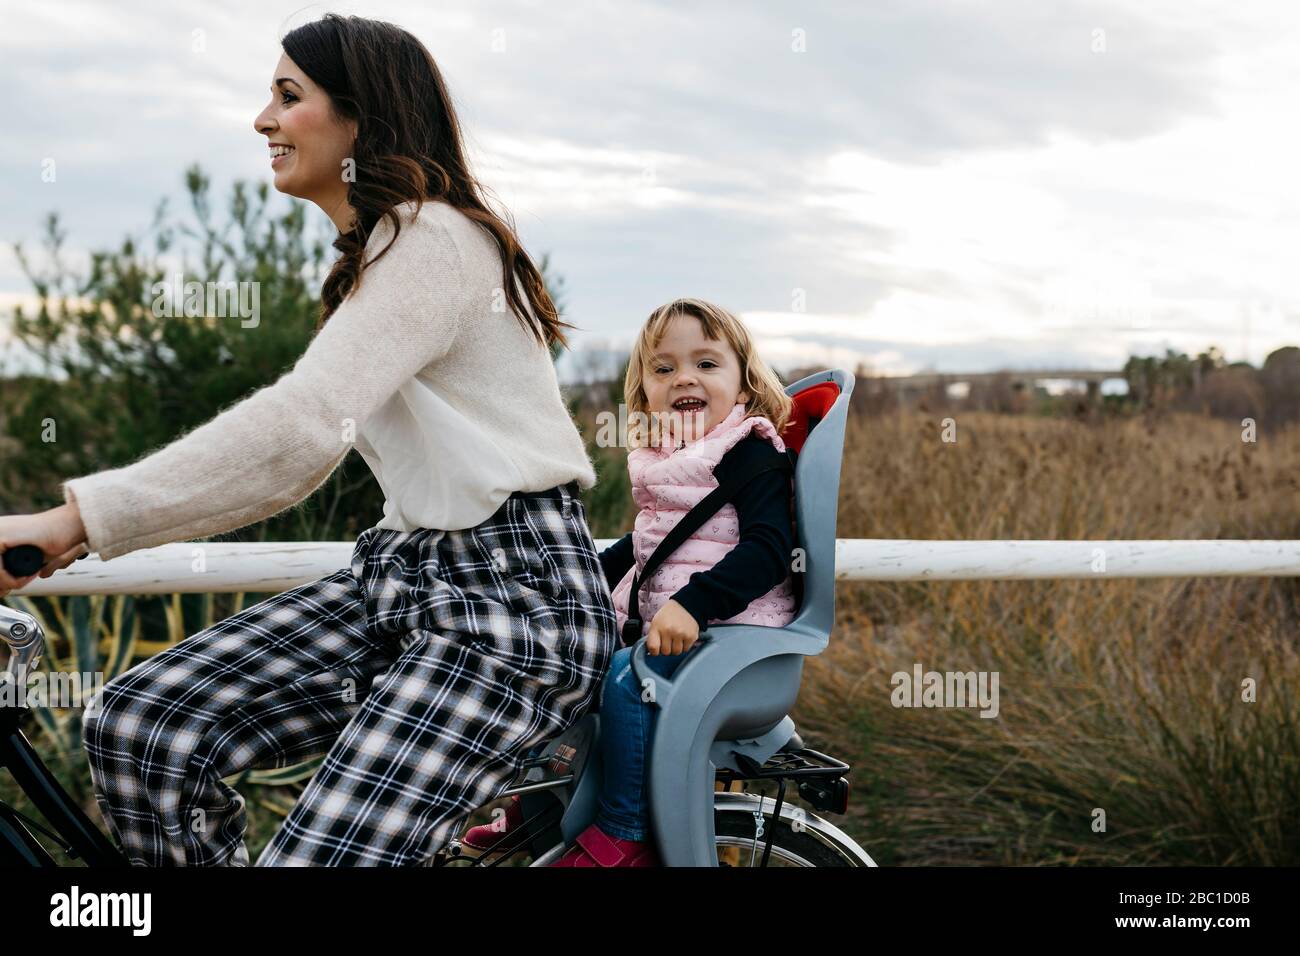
57, 532
673, 630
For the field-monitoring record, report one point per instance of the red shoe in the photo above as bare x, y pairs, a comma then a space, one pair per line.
595, 847
481, 839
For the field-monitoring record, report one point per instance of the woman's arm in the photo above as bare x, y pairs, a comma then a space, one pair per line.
761, 558
277, 446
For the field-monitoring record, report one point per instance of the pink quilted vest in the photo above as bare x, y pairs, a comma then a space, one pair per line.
666, 483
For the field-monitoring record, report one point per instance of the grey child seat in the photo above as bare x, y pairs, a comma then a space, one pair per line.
729, 699
732, 694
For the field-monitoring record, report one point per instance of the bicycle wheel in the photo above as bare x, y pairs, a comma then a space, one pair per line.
801, 839
739, 843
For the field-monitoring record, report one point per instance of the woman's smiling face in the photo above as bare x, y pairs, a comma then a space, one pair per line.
687, 365
300, 122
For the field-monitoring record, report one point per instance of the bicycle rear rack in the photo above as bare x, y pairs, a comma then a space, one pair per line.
819, 778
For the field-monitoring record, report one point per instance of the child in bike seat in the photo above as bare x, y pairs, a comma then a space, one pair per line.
702, 408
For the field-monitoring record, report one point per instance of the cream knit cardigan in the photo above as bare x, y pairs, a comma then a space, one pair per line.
423, 367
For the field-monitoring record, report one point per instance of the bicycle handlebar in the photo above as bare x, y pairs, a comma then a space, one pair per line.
23, 559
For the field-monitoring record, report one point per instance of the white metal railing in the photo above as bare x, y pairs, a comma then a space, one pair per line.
277, 566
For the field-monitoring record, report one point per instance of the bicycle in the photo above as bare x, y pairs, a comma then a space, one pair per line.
723, 718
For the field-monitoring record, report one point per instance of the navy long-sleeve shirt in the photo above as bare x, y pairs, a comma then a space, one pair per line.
761, 558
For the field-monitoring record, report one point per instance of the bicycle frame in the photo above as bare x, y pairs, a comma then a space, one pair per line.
82, 838
18, 845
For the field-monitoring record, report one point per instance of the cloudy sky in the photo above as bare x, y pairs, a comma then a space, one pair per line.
958, 186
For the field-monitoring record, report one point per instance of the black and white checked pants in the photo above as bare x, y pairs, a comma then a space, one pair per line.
423, 673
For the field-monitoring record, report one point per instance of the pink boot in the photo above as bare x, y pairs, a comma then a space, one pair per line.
595, 847
481, 839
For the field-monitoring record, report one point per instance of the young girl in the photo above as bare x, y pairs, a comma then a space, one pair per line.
694, 372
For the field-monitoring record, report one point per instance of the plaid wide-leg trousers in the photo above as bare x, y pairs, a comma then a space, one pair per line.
424, 673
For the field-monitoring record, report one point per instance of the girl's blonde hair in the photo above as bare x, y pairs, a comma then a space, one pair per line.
767, 396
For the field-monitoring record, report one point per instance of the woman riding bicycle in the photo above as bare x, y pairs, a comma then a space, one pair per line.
474, 620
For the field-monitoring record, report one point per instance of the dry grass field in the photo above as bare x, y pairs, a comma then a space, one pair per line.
1124, 696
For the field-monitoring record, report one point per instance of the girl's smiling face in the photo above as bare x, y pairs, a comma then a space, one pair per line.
300, 122
686, 365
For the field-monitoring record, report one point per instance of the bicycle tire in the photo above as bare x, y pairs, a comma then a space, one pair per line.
734, 827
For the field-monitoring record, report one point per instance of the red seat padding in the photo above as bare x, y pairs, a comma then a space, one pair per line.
810, 406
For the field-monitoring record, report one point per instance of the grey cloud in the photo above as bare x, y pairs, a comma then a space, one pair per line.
717, 83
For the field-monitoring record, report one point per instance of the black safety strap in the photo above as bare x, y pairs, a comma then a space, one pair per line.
702, 512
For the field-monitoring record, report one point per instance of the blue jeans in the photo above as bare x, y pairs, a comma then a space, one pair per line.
626, 731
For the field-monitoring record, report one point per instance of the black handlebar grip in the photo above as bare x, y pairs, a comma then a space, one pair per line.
23, 559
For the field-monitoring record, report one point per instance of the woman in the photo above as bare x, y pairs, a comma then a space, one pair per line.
474, 620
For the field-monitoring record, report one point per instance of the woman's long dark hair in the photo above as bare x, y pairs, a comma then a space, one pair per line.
408, 148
